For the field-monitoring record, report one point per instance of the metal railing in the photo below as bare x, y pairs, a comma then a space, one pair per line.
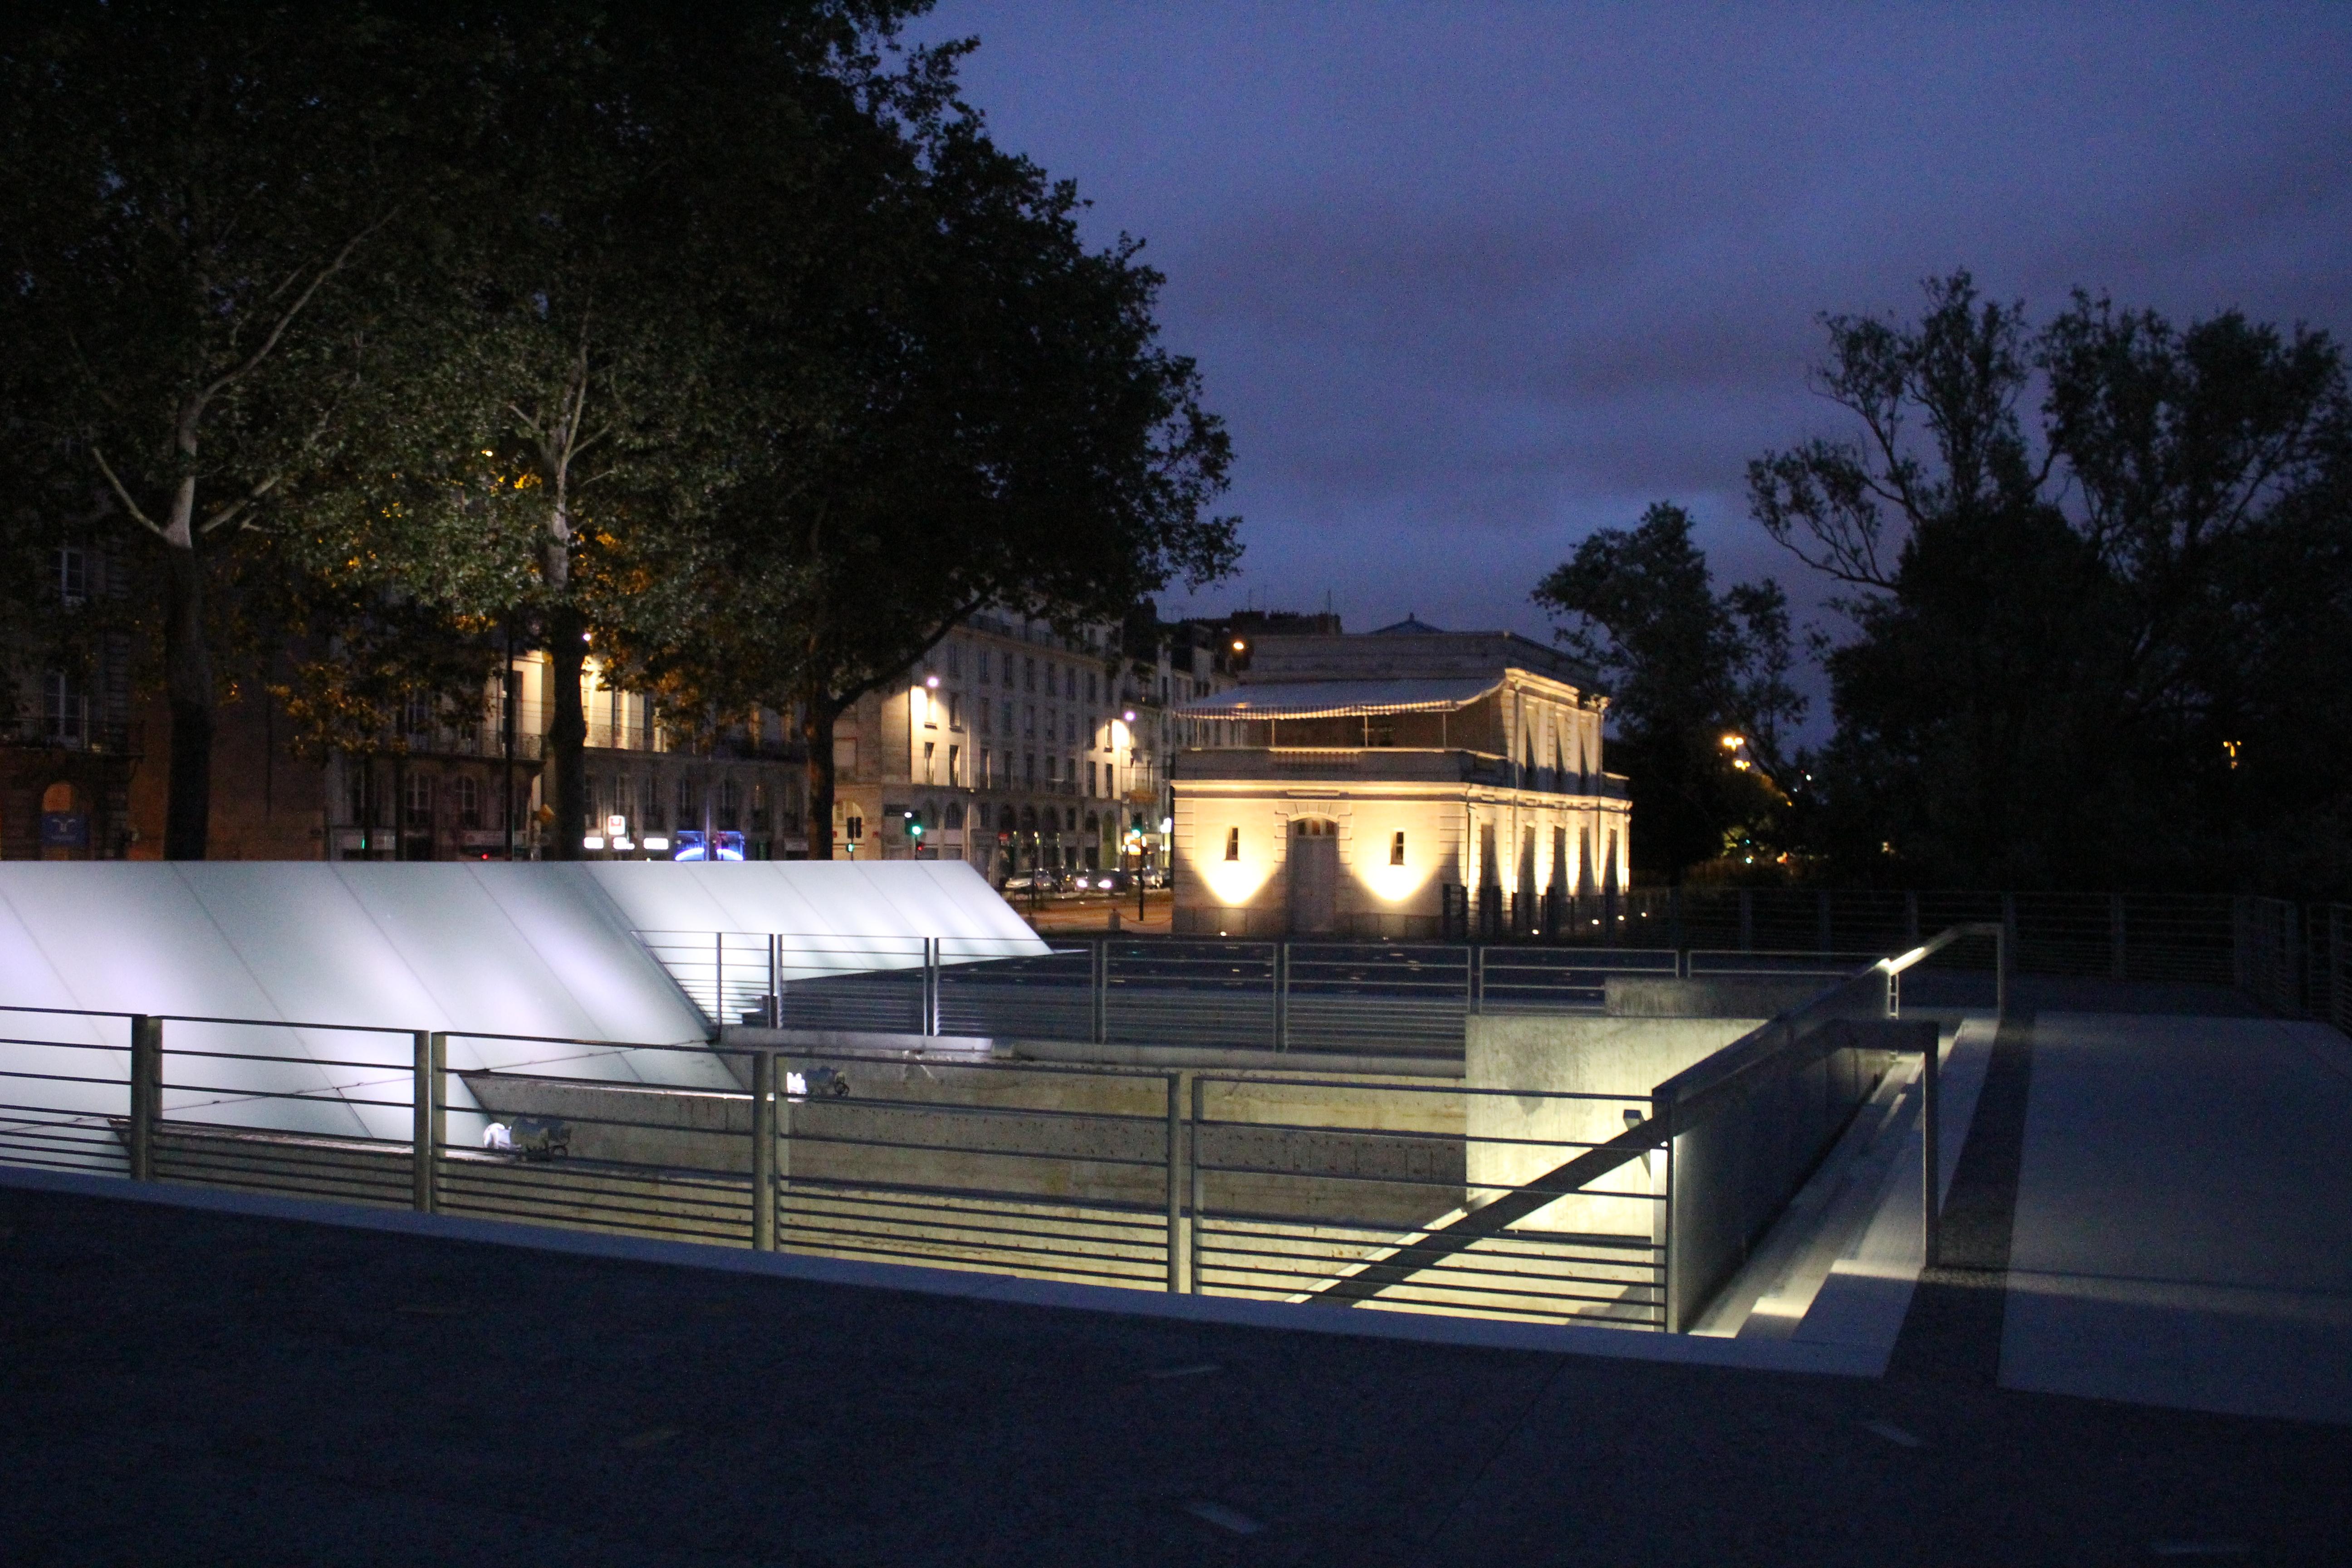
1358, 998
1256, 1185
1749, 1123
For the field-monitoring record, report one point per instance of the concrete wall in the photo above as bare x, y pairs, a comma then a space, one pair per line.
1710, 996
1533, 1055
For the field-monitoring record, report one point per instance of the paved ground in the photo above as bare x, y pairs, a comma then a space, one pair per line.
186, 1386
2183, 1231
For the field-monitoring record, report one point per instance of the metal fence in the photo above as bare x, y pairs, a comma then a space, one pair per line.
2121, 936
1390, 1194
1396, 999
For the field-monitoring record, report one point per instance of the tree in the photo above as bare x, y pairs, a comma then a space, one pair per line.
2072, 657
212, 211
998, 427
1685, 666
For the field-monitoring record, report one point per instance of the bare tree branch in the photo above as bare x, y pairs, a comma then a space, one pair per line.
128, 506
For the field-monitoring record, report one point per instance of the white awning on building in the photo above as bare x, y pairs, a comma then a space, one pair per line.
1343, 699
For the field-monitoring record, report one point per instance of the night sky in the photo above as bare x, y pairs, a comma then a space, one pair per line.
1469, 282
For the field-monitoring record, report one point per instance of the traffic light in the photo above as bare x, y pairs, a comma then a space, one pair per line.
914, 825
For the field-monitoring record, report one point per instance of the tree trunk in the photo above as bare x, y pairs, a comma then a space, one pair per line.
188, 688
816, 727
567, 737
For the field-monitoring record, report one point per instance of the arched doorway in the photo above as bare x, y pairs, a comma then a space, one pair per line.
65, 825
1313, 876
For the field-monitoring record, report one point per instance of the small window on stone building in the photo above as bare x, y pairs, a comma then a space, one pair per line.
1396, 850
1233, 843
65, 709
73, 574
420, 800
468, 793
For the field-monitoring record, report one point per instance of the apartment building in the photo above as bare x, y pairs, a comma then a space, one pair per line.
1018, 748
69, 746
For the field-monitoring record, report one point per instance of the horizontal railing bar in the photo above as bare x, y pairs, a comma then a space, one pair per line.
1229, 1076
384, 1067
835, 1141
233, 1095
63, 1078
68, 1012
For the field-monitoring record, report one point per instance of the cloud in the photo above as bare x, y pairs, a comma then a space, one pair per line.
1468, 282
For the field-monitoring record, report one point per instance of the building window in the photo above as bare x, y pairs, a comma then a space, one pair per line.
986, 779
980, 815
955, 816
1396, 850
855, 830
1029, 675
1091, 789
65, 710
1032, 762
955, 660
419, 804
930, 754
417, 715
955, 712
73, 576
1029, 718
955, 765
468, 795
689, 806
1070, 683
1233, 843
730, 804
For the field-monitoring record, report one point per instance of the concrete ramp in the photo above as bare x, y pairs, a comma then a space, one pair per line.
515, 960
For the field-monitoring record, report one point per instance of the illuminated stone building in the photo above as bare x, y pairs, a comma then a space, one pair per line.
1404, 783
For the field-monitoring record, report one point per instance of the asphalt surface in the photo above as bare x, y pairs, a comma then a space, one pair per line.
184, 1387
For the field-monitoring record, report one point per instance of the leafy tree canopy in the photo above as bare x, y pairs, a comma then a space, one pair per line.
1685, 666
2109, 644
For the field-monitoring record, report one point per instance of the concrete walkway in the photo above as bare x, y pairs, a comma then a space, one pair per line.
2183, 1228
187, 1384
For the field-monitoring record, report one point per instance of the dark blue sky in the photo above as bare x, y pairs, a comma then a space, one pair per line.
1470, 280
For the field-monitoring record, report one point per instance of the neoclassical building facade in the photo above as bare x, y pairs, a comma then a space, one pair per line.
1407, 782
